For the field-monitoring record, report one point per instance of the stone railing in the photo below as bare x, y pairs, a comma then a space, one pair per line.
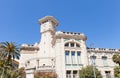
103, 49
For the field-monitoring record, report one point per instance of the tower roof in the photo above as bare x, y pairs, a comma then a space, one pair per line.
47, 18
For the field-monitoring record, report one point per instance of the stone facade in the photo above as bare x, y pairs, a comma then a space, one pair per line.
64, 53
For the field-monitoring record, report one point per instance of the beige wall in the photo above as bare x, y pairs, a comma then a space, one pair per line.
51, 53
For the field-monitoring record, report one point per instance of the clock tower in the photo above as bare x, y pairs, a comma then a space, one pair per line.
48, 29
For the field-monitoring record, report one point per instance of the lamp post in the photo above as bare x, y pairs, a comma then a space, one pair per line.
94, 71
93, 63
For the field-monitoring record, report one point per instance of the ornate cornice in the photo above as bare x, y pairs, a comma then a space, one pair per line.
29, 48
103, 50
71, 35
48, 18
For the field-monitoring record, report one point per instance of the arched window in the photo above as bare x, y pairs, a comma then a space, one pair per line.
93, 59
67, 45
77, 45
104, 59
72, 44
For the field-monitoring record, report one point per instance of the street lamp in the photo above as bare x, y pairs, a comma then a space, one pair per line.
93, 63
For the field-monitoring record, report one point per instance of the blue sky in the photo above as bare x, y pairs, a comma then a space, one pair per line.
99, 20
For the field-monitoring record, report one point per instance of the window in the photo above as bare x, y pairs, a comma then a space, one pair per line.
68, 74
28, 62
67, 55
79, 57
73, 57
104, 59
107, 73
71, 44
43, 64
67, 45
75, 74
93, 59
77, 45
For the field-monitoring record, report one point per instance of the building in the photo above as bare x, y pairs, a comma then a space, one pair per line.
64, 53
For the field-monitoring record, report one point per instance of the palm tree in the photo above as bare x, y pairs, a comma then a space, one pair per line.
4, 65
11, 50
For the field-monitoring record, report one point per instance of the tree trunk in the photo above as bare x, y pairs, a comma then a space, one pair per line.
2, 73
9, 57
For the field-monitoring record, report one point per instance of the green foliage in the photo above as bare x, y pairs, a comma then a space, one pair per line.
5, 66
8, 66
18, 73
117, 71
87, 72
11, 50
116, 58
13, 73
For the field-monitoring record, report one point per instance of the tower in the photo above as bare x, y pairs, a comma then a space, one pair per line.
48, 29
